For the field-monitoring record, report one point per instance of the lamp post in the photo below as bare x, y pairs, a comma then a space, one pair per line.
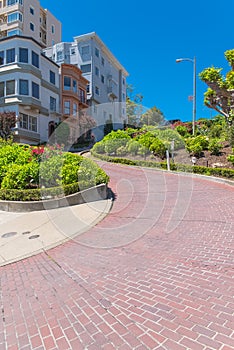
178, 60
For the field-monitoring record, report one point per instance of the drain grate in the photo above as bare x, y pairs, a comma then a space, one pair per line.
34, 237
26, 233
9, 234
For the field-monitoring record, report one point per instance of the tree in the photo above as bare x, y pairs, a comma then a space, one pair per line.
152, 117
7, 122
134, 107
220, 93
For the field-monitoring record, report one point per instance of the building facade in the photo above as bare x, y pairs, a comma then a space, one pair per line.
28, 18
106, 90
30, 87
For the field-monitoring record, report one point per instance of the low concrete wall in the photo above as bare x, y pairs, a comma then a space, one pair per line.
90, 195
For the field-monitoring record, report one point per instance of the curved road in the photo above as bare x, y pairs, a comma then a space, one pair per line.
156, 273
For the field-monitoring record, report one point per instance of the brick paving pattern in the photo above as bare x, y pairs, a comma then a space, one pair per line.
156, 273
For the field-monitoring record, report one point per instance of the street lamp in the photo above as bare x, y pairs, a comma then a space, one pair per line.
194, 86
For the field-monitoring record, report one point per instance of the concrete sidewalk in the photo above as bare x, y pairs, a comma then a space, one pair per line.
26, 234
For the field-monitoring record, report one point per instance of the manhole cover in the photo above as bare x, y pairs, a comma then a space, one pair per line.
9, 234
26, 233
34, 237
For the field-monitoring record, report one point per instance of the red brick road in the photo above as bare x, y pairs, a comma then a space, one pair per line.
156, 273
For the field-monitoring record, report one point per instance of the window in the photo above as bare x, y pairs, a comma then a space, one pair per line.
97, 91
1, 89
123, 81
28, 122
88, 89
31, 10
82, 95
67, 107
67, 83
103, 79
52, 77
59, 55
1, 58
10, 87
97, 71
32, 123
123, 97
73, 51
103, 61
85, 68
14, 16
35, 59
35, 90
23, 87
52, 104
14, 32
96, 52
24, 121
74, 86
75, 109
23, 55
10, 55
85, 50
52, 29
31, 26
13, 2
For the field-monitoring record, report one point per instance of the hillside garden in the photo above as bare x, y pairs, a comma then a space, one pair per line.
148, 146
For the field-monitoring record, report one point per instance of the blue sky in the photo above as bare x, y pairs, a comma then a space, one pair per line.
148, 36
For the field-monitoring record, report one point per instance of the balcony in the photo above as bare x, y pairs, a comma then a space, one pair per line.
112, 94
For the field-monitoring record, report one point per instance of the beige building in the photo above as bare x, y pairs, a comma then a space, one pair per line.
28, 18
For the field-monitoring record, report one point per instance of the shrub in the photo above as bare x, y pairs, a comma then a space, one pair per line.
25, 167
121, 151
182, 130
21, 176
158, 148
215, 147
195, 145
230, 158
133, 147
99, 147
119, 134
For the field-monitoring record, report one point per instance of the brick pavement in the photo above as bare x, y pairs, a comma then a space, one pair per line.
156, 273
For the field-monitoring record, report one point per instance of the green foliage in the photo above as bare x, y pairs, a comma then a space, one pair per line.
24, 167
229, 55
158, 148
119, 134
99, 147
211, 74
195, 145
121, 151
219, 172
12, 153
133, 147
146, 139
215, 147
182, 130
230, 158
21, 176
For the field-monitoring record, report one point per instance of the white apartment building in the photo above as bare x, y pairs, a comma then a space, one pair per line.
28, 18
29, 86
106, 93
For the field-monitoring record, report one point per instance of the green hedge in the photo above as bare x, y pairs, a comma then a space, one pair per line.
218, 172
43, 193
